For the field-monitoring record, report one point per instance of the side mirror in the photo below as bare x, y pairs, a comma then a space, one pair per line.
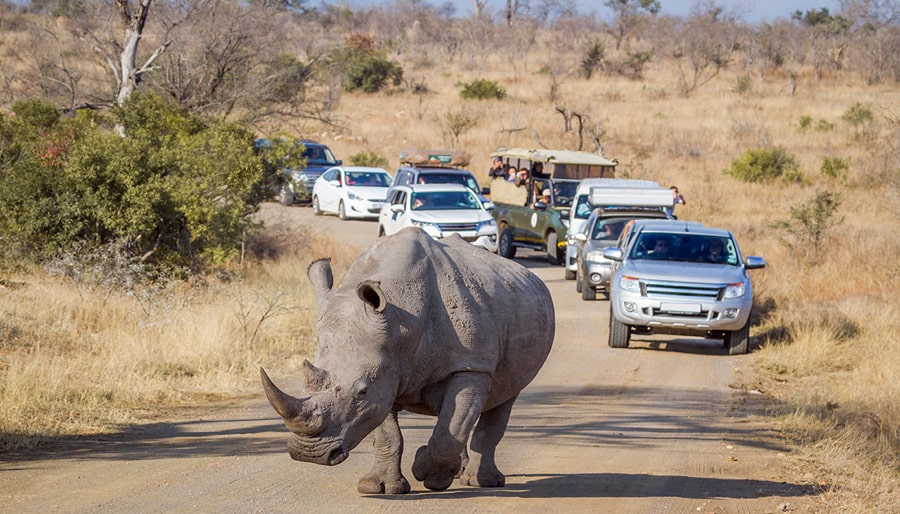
489, 205
335, 183
339, 162
754, 262
397, 207
613, 254
581, 236
485, 191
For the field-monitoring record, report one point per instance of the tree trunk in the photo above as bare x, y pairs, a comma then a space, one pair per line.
134, 23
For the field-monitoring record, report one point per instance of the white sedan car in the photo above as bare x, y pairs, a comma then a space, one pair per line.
351, 192
440, 210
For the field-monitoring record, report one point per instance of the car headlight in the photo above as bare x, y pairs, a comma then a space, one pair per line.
486, 226
735, 290
630, 284
353, 196
595, 256
432, 229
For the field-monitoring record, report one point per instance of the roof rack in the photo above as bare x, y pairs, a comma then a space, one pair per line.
436, 158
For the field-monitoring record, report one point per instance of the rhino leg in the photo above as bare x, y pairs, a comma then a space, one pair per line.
482, 468
438, 463
385, 477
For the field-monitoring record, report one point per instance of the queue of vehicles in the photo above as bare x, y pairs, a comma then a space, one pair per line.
568, 205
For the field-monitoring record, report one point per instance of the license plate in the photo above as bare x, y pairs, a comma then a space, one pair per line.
679, 308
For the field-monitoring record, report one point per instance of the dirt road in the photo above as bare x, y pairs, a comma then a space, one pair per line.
659, 427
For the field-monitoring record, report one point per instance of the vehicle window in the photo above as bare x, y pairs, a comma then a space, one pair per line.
367, 178
318, 154
563, 192
444, 200
331, 174
450, 178
609, 229
685, 247
582, 207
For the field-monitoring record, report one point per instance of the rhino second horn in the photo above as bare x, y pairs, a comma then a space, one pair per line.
300, 416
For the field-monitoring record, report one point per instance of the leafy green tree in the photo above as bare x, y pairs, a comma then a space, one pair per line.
177, 193
365, 69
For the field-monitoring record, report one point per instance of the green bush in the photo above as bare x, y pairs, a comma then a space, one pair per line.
805, 123
368, 158
178, 192
592, 59
835, 167
364, 68
764, 164
483, 89
805, 232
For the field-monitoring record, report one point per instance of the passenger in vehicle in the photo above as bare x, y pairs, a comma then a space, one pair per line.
537, 170
660, 249
714, 251
498, 170
511, 174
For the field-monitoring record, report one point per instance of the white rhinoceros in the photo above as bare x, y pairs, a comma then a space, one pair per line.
440, 328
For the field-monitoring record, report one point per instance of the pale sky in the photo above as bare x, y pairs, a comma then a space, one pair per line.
750, 11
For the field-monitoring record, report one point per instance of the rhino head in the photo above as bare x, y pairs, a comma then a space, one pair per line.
339, 406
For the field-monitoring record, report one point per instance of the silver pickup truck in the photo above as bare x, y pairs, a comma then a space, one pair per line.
676, 277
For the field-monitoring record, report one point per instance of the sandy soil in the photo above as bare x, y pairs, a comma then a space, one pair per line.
663, 426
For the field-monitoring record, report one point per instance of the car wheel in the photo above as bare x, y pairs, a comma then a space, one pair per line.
578, 282
619, 333
342, 212
380, 231
588, 292
285, 197
505, 247
552, 250
317, 210
570, 275
737, 342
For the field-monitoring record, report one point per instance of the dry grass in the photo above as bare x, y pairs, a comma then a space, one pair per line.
75, 361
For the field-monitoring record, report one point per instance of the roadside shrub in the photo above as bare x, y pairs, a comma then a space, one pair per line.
805, 123
764, 164
482, 89
824, 126
365, 69
835, 167
592, 59
804, 233
861, 120
368, 158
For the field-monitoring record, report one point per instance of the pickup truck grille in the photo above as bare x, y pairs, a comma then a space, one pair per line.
683, 290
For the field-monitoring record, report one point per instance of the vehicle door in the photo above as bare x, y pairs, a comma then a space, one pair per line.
392, 221
330, 191
538, 213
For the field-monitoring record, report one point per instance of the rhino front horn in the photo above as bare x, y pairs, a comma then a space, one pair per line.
300, 416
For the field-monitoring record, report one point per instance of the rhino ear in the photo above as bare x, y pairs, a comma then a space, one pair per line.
319, 273
370, 292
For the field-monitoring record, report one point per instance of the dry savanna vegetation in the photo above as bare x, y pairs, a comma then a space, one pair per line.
78, 358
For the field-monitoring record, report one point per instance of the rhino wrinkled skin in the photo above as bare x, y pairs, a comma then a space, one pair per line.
440, 328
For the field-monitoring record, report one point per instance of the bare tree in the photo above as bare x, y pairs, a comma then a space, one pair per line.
134, 19
704, 47
628, 15
479, 6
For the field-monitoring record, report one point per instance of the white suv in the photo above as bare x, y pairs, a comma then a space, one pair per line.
676, 277
439, 210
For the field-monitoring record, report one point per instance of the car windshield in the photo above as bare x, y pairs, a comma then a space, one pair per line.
608, 229
444, 200
685, 247
316, 154
450, 178
563, 193
367, 178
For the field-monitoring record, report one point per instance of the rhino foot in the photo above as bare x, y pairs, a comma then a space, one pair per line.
483, 479
434, 476
371, 484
